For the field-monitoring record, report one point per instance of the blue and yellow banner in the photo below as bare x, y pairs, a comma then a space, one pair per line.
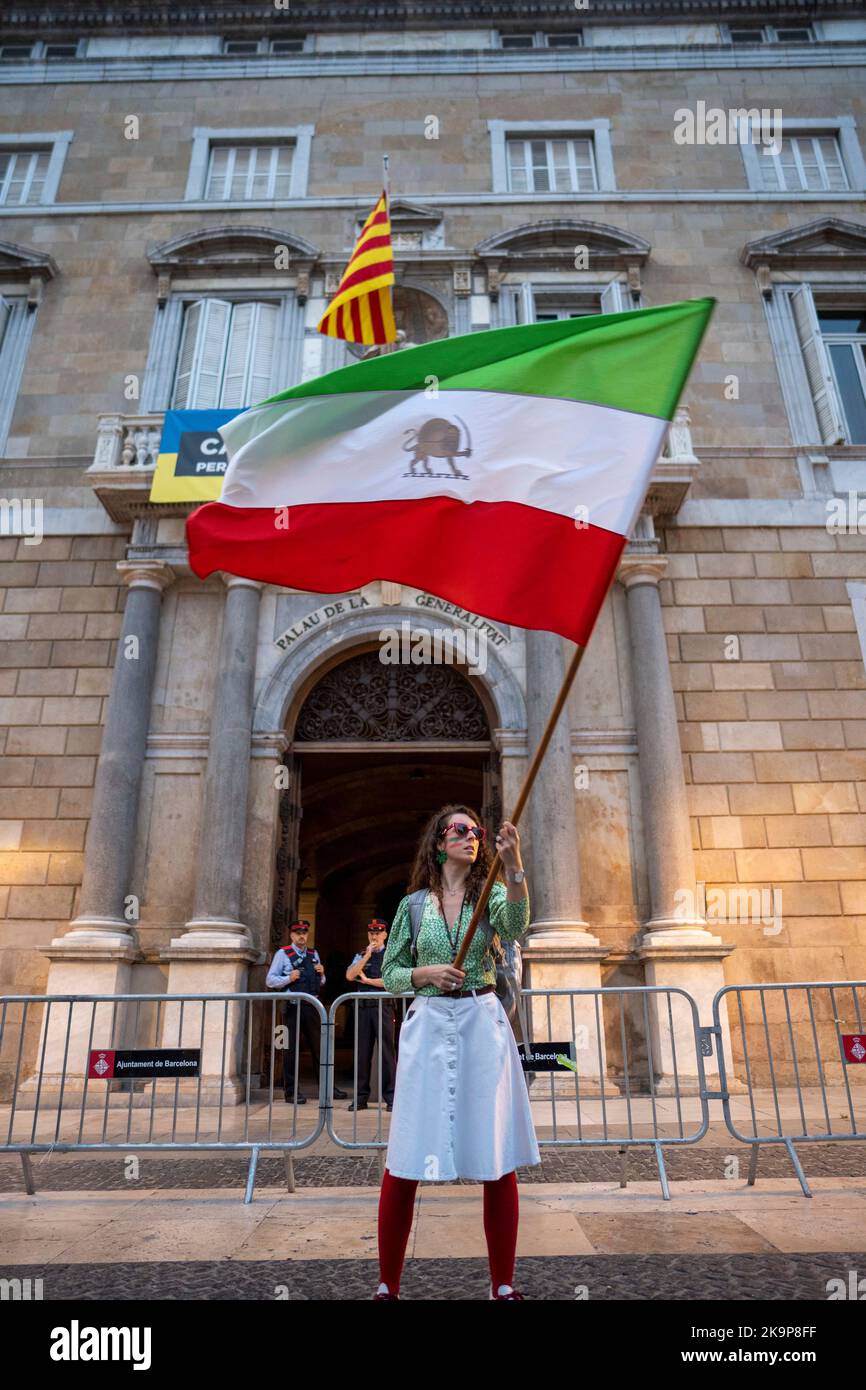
192, 457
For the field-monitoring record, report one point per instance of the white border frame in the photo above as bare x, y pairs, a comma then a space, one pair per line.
845, 130
58, 142
599, 132
301, 136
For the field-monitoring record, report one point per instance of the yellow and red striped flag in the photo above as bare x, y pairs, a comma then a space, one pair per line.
361, 310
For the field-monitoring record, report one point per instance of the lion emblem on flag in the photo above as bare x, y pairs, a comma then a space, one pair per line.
438, 439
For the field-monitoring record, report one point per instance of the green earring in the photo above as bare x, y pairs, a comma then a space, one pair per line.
441, 856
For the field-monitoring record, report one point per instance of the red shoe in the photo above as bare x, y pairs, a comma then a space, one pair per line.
384, 1292
512, 1293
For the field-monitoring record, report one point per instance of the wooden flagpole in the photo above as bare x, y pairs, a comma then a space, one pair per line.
523, 796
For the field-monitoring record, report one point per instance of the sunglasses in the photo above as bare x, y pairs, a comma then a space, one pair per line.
461, 830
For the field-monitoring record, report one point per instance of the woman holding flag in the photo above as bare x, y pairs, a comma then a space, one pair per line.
461, 1108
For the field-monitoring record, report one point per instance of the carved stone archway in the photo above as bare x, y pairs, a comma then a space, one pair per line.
336, 702
362, 698
283, 691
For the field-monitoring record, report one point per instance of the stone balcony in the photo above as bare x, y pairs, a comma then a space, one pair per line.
127, 446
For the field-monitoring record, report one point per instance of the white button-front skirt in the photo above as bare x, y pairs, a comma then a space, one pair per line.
461, 1108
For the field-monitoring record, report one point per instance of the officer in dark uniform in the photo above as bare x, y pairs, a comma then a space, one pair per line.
295, 969
365, 975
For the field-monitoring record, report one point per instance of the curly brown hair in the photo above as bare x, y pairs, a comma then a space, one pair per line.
427, 873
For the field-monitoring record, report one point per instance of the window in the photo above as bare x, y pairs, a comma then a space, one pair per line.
551, 156
61, 50
240, 47
804, 162
226, 354
814, 156
536, 39
287, 45
241, 172
15, 52
843, 332
542, 303
22, 175
799, 33
551, 166
16, 329
243, 164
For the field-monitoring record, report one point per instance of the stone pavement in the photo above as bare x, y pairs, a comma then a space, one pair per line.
172, 1225
715, 1239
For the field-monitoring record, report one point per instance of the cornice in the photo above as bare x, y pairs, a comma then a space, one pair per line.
227, 16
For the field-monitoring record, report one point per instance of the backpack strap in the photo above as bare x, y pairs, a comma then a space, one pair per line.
417, 903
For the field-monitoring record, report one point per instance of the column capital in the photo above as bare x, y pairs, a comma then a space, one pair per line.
237, 581
637, 568
146, 574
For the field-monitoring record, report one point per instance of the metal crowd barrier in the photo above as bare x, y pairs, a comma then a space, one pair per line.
626, 1071
590, 1106
55, 1106
789, 1031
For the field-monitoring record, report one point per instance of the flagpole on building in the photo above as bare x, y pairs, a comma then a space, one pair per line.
386, 180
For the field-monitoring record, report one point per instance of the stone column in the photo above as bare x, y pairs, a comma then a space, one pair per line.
677, 949
561, 951
213, 955
96, 954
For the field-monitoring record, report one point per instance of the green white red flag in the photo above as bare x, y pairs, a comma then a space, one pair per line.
503, 471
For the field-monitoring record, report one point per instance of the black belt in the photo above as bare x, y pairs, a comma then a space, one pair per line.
465, 993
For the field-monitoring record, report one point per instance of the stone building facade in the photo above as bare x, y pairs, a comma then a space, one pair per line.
186, 765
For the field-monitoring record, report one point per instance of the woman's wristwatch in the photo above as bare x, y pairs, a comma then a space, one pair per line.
517, 876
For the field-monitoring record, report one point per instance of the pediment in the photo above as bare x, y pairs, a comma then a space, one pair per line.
826, 240
230, 248
555, 239
20, 263
402, 211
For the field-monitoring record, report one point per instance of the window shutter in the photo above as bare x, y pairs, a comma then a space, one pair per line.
250, 357
262, 352
202, 351
611, 298
5, 314
237, 358
817, 364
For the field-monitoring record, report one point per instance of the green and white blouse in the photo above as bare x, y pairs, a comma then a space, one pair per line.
510, 920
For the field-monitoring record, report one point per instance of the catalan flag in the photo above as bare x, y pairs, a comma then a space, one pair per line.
361, 310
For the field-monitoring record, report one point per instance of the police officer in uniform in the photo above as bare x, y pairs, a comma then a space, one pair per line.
365, 974
295, 969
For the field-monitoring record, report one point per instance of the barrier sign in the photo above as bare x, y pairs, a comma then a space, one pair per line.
854, 1047
192, 456
544, 1056
146, 1063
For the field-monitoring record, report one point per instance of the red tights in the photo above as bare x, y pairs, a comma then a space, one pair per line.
396, 1204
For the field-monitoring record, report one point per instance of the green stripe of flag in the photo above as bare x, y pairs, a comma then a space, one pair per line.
637, 361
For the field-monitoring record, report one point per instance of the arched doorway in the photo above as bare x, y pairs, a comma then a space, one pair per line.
376, 748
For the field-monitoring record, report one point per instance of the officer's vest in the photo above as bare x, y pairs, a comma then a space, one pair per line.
309, 980
373, 971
